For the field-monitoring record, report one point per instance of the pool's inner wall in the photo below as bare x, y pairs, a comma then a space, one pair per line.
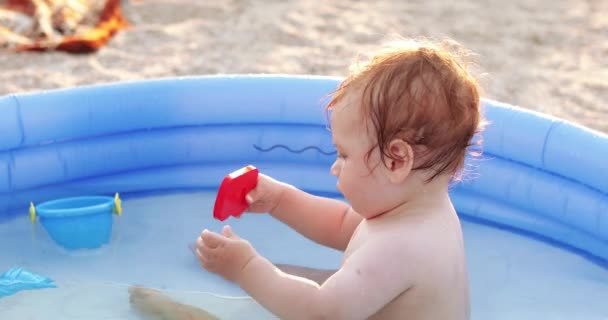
538, 174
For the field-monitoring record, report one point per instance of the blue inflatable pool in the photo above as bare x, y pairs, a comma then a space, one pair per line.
540, 176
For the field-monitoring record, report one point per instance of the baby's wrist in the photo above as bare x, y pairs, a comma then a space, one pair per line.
246, 270
283, 188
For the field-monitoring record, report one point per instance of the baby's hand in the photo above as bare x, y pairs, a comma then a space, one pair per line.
266, 195
226, 255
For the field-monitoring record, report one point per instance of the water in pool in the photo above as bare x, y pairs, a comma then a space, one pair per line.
512, 277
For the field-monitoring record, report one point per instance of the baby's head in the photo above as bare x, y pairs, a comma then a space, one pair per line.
416, 103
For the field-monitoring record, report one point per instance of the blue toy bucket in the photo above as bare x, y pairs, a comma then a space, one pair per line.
79, 222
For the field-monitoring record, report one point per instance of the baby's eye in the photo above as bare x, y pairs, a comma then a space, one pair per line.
341, 155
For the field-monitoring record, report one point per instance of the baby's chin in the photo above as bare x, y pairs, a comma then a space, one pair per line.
370, 216
365, 212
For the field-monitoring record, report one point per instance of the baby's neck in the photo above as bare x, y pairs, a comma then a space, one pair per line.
420, 196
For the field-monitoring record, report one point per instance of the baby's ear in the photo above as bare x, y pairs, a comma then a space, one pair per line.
401, 160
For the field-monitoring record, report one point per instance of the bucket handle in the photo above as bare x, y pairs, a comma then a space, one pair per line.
116, 210
117, 205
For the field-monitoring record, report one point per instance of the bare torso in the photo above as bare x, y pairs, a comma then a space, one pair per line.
440, 289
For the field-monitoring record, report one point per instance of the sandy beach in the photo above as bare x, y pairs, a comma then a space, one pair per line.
550, 56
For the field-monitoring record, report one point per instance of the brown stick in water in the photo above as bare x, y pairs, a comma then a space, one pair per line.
154, 305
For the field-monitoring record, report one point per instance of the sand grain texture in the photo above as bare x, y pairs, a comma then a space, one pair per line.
550, 56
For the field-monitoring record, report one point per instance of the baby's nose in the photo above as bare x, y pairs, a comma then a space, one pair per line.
335, 171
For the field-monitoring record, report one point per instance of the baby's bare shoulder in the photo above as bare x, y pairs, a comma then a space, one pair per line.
416, 238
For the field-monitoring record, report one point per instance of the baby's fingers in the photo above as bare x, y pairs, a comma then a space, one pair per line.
210, 239
252, 196
227, 232
208, 253
204, 260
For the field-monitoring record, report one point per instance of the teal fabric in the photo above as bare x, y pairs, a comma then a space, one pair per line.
18, 279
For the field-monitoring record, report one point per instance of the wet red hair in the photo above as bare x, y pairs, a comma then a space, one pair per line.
418, 91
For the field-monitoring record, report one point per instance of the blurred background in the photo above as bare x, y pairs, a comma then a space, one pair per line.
546, 55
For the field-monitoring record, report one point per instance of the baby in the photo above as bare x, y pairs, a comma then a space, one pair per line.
402, 124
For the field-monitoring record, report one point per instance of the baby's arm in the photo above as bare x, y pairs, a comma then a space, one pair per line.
326, 221
317, 275
369, 279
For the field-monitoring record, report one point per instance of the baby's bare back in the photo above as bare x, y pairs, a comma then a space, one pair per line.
434, 255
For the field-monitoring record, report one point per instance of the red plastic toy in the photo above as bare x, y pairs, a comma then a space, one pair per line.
230, 199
